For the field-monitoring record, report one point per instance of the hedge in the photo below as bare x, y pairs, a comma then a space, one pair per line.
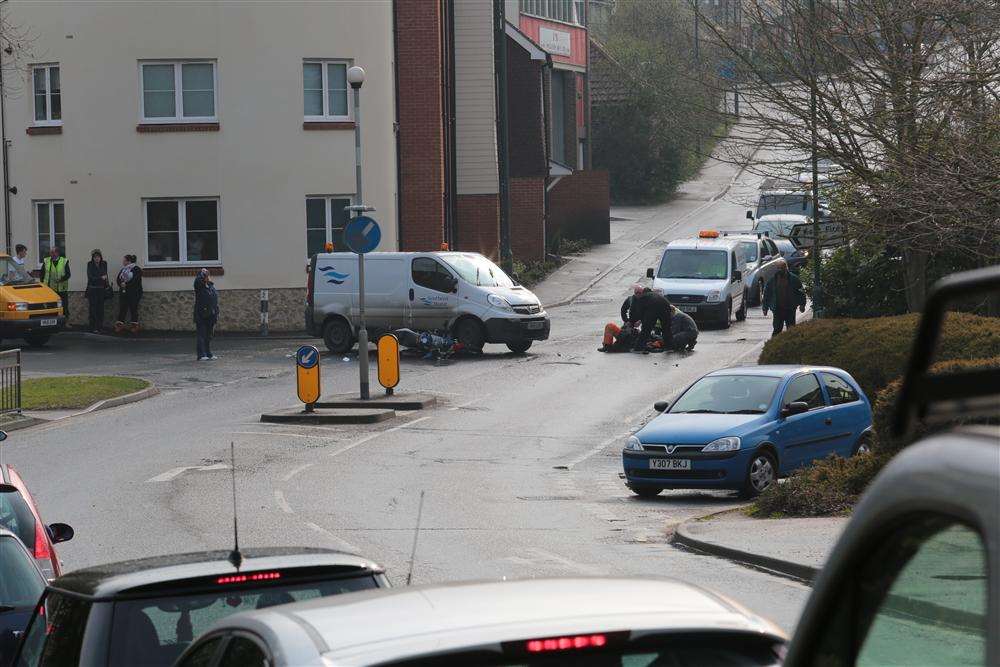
875, 351
831, 486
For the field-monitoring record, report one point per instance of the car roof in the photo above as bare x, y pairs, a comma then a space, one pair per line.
124, 577
782, 217
392, 624
720, 243
775, 370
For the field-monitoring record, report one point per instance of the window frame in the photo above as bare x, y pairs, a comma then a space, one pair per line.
327, 117
179, 116
822, 392
182, 231
829, 395
438, 266
50, 203
328, 217
48, 121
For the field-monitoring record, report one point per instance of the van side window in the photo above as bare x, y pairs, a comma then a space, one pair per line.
429, 273
735, 268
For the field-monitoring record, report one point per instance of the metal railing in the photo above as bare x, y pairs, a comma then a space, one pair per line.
10, 384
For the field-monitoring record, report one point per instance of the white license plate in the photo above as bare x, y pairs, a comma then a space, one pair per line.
670, 464
49, 323
688, 309
536, 325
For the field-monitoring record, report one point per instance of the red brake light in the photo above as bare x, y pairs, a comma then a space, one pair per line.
243, 578
566, 643
42, 549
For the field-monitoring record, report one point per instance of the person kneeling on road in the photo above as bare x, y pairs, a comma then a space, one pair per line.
620, 337
650, 306
782, 293
684, 331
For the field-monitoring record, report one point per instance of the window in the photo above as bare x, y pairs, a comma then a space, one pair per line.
51, 219
325, 90
57, 637
178, 91
430, 274
182, 231
20, 583
326, 218
204, 654
47, 94
750, 250
839, 390
559, 10
243, 652
804, 389
924, 596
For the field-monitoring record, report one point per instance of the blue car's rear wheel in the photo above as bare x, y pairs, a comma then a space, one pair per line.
761, 474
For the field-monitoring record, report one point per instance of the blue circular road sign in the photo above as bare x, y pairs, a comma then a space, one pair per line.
307, 356
362, 234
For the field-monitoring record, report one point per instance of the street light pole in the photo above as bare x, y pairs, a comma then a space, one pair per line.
813, 122
356, 77
4, 152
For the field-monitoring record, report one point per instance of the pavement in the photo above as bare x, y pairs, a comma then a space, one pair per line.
517, 461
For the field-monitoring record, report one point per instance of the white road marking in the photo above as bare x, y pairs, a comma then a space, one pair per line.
273, 434
174, 472
279, 498
467, 403
296, 471
595, 450
371, 437
323, 531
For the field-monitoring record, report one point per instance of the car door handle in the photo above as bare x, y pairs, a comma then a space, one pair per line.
827, 421
411, 294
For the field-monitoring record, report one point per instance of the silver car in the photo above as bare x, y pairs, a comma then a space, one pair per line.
561, 621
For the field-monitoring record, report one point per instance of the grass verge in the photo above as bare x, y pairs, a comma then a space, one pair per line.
75, 391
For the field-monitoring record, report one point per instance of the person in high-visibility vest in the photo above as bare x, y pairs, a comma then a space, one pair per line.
55, 274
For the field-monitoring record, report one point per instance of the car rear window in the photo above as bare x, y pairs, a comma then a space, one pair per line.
155, 631
16, 516
20, 582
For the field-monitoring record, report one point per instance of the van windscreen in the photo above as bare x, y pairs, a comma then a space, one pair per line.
694, 264
15, 274
477, 270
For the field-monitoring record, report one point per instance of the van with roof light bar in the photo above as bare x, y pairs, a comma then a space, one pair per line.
704, 277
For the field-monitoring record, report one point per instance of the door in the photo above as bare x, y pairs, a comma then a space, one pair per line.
806, 436
849, 414
433, 294
386, 287
736, 286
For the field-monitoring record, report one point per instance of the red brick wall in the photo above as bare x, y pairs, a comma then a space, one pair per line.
421, 131
580, 207
479, 224
527, 218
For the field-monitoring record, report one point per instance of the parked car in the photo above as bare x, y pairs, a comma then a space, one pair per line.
915, 577
147, 611
537, 621
761, 255
28, 309
462, 293
704, 277
742, 428
19, 514
21, 584
795, 257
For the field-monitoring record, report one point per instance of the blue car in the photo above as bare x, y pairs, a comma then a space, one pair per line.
743, 428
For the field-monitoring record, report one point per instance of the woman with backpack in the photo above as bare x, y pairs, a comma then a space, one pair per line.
129, 282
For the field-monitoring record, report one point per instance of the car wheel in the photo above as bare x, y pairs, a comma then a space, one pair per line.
727, 322
761, 474
741, 314
520, 347
337, 336
469, 333
37, 341
864, 446
646, 492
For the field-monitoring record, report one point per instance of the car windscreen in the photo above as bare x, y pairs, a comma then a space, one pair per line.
794, 204
750, 250
155, 631
728, 394
477, 270
694, 264
12, 273
16, 516
21, 584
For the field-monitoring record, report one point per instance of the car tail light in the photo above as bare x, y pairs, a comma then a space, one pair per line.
243, 578
42, 549
565, 643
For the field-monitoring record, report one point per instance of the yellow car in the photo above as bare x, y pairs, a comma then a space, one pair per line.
28, 309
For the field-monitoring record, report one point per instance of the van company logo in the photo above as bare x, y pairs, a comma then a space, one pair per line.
333, 276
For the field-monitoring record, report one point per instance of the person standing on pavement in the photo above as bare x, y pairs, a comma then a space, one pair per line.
206, 313
97, 289
129, 282
651, 306
55, 274
782, 294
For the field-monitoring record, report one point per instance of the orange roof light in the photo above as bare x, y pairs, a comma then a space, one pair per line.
328, 247
708, 234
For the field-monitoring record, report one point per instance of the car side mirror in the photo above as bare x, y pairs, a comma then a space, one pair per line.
737, 276
8, 488
661, 406
649, 272
749, 215
60, 532
794, 408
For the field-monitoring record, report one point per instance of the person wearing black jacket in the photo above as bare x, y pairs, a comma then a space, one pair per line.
97, 289
650, 306
129, 282
206, 313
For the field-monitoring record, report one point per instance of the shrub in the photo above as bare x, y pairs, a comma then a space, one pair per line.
875, 351
830, 486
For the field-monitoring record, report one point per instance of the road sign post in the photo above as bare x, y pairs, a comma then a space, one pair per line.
307, 380
388, 362
362, 235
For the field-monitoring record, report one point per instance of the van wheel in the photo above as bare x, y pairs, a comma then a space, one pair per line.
337, 336
741, 314
727, 322
520, 347
37, 341
469, 333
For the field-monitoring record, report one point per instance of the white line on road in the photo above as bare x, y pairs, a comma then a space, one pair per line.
174, 472
279, 498
274, 433
467, 403
323, 531
371, 437
595, 450
296, 471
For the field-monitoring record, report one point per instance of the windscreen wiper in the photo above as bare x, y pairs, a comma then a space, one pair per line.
745, 412
703, 412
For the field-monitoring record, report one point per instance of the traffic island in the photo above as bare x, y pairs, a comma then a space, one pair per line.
403, 402
329, 416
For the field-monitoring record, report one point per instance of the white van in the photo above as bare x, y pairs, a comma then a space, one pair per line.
704, 277
460, 292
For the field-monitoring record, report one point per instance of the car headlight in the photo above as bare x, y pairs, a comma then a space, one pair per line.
17, 305
729, 444
499, 302
633, 444
712, 296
